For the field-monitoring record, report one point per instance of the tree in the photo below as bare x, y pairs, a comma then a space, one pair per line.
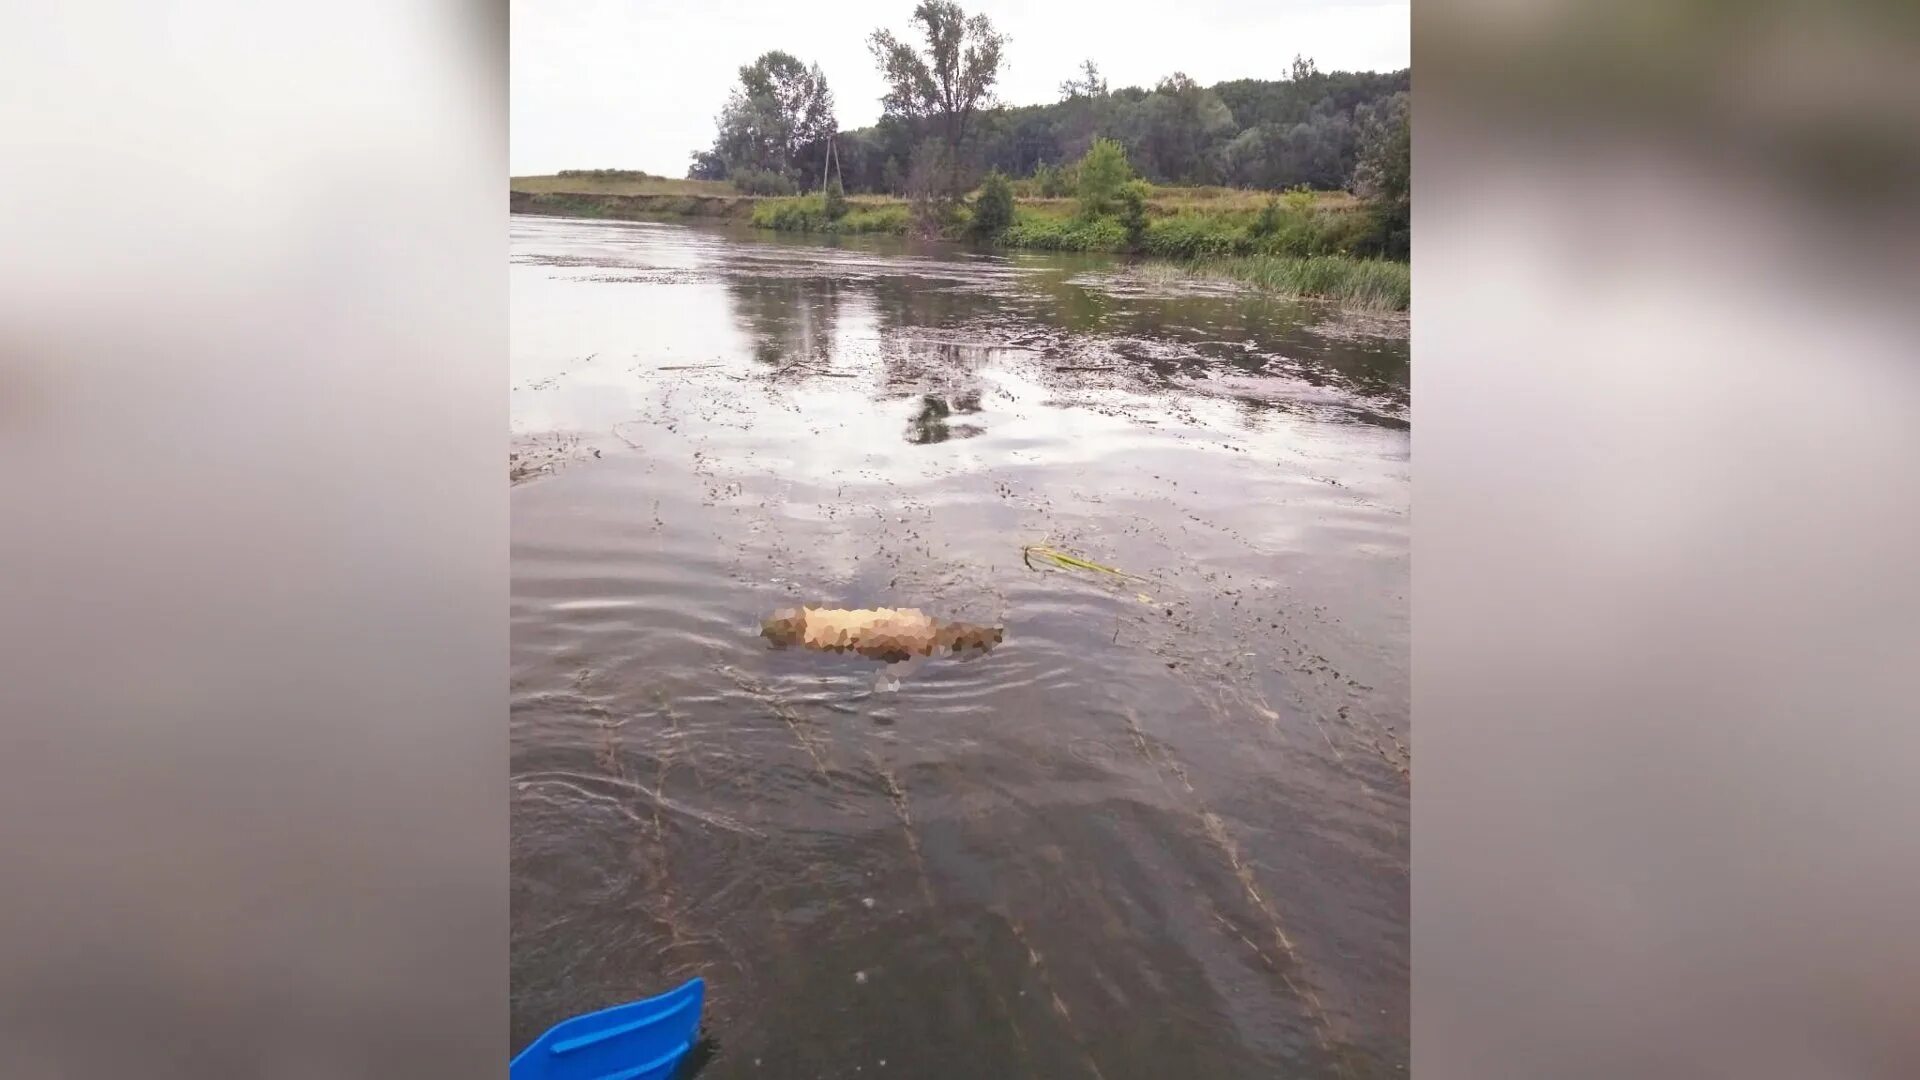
1383, 175
1090, 83
1263, 133
993, 210
781, 110
1133, 212
1384, 170
707, 165
1181, 124
930, 187
951, 83
1104, 173
1246, 159
1084, 109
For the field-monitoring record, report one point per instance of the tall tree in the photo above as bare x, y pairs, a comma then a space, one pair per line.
1083, 110
947, 86
1384, 170
1088, 83
1247, 132
1180, 127
1383, 174
781, 111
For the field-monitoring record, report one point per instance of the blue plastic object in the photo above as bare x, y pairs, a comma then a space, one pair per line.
642, 1040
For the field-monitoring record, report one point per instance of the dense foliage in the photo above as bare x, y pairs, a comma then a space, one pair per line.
937, 96
992, 208
1118, 212
1383, 175
1255, 133
775, 124
940, 132
1101, 174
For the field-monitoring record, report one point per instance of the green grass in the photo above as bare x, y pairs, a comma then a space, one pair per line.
808, 214
630, 206
615, 182
1042, 231
604, 174
1368, 284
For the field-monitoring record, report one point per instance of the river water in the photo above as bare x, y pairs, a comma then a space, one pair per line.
1161, 830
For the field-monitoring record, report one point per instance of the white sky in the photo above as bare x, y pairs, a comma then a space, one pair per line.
635, 84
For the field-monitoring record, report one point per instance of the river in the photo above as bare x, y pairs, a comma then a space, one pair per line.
1161, 830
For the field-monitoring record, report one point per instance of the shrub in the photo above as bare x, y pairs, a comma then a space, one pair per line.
1054, 181
1133, 212
808, 213
1386, 230
1047, 233
893, 219
1103, 173
993, 209
1268, 222
1194, 235
835, 200
604, 174
761, 182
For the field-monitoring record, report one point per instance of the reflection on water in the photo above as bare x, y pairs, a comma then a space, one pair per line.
930, 424
790, 320
1160, 830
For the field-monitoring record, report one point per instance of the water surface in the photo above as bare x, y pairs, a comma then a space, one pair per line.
1160, 831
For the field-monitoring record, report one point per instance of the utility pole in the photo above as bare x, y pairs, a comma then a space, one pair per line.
832, 163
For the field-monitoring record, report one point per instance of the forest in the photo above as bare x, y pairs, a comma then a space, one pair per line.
1307, 129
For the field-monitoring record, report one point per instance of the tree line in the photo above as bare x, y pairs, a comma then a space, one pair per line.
942, 130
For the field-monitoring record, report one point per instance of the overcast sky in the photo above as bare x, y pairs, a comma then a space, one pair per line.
635, 84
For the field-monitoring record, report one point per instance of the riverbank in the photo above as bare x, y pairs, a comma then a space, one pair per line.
1306, 245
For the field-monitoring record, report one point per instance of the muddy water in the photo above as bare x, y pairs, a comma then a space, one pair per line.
1160, 831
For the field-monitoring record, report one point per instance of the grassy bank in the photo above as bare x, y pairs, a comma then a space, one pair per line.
809, 214
632, 207
1301, 244
616, 182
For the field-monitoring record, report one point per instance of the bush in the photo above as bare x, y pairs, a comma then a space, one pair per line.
1195, 235
835, 200
893, 219
761, 182
1047, 233
1268, 222
604, 174
808, 214
1054, 181
1103, 173
993, 209
1387, 230
1133, 212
